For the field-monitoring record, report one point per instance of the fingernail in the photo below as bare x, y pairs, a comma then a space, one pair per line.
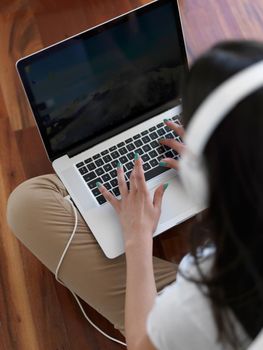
136, 156
166, 120
119, 165
163, 164
98, 184
165, 186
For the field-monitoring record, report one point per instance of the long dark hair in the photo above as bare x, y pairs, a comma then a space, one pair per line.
234, 157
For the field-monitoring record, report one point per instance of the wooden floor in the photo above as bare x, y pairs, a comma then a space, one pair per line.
35, 312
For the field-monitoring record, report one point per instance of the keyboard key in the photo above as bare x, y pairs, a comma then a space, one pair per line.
153, 136
169, 154
145, 132
154, 172
99, 162
167, 129
139, 151
115, 154
136, 137
154, 162
106, 177
101, 200
145, 157
146, 166
153, 154
79, 165
107, 167
123, 150
121, 144
97, 156
154, 144
90, 176
129, 166
160, 125
124, 159
161, 132
113, 148
160, 150
104, 152
116, 191
128, 140
114, 183
114, 163
96, 192
83, 170
99, 171
146, 139
113, 174
107, 159
138, 143
130, 156
87, 161
130, 147
93, 184
146, 148
169, 136
91, 166
152, 128
107, 186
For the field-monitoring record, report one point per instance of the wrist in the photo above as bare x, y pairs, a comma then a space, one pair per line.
138, 245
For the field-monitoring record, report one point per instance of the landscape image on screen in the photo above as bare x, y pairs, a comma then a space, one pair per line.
100, 82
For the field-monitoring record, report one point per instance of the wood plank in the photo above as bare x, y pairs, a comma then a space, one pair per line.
206, 22
17, 326
19, 37
32, 152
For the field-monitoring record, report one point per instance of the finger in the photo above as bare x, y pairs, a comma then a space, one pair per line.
121, 180
108, 196
158, 196
174, 144
133, 186
170, 163
139, 174
179, 129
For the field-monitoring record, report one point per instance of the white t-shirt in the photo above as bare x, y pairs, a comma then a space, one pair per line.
182, 319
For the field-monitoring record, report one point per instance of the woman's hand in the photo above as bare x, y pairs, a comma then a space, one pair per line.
174, 144
137, 211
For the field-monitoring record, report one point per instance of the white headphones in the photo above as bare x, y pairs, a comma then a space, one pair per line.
204, 122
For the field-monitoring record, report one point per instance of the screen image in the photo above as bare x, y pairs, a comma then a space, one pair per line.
96, 82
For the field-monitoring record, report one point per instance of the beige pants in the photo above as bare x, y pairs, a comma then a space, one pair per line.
43, 221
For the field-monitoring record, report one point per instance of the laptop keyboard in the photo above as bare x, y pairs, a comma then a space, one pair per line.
102, 166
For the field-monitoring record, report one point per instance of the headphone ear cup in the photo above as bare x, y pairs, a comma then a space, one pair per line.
193, 176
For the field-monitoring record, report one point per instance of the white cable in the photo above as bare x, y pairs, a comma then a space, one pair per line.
75, 296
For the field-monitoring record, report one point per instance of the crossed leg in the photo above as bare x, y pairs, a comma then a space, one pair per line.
43, 220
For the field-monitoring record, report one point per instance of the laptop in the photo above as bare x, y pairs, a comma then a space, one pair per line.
102, 95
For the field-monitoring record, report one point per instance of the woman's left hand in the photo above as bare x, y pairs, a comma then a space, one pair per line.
137, 211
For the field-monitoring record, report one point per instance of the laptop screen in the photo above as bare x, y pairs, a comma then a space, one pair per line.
105, 80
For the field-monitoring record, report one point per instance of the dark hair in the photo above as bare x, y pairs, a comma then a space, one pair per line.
234, 159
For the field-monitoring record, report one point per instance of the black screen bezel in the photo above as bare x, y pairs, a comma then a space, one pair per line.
85, 144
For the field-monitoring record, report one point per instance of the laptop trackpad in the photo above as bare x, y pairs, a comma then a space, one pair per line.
105, 226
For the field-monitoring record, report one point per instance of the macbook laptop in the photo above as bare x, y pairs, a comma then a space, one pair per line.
102, 95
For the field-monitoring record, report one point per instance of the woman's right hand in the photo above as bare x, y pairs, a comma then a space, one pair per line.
174, 144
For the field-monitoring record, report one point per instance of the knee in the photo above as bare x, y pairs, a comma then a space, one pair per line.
25, 202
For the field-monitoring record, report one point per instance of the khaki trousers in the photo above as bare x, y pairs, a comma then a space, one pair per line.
43, 221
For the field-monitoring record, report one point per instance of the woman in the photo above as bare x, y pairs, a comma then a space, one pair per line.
217, 300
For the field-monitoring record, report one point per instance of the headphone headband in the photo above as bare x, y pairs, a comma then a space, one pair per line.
216, 107
204, 122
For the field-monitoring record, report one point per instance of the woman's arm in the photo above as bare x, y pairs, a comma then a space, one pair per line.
139, 215
140, 294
